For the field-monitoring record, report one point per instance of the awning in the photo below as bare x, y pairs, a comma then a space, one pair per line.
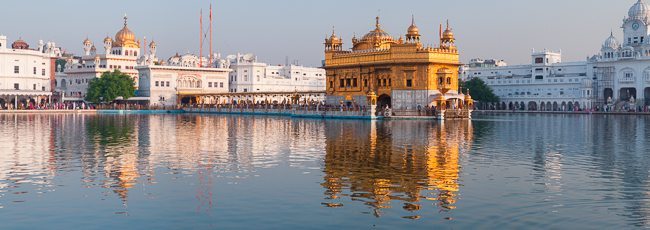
24, 93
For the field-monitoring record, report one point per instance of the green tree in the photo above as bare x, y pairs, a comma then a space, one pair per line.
110, 86
479, 90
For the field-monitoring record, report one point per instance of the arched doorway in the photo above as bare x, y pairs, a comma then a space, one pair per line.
542, 106
563, 107
2, 103
625, 94
608, 93
503, 106
570, 106
532, 106
383, 101
556, 107
511, 106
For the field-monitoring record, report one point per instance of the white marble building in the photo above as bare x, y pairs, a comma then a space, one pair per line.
618, 77
622, 69
26, 75
121, 53
547, 84
161, 85
249, 75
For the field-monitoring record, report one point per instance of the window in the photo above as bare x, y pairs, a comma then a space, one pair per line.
209, 84
168, 84
341, 83
157, 84
332, 84
43, 88
220, 84
348, 82
365, 82
245, 90
16, 86
409, 83
34, 70
34, 87
43, 72
390, 83
16, 69
354, 82
539, 60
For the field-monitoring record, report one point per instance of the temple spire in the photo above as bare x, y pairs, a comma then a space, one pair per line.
412, 20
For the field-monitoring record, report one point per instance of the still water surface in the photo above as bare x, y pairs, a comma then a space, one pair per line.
193, 171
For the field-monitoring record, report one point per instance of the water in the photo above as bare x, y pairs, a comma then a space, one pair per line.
206, 172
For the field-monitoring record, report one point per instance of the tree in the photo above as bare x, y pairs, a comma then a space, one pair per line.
479, 90
110, 86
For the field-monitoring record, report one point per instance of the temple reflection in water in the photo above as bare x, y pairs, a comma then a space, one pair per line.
390, 163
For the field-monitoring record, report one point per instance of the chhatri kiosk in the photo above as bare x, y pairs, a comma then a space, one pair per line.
396, 77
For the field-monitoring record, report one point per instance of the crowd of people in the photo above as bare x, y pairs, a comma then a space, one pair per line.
47, 106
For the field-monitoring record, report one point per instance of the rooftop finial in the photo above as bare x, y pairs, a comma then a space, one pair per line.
377, 24
125, 19
412, 20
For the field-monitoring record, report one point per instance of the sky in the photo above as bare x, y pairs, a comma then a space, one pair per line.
277, 29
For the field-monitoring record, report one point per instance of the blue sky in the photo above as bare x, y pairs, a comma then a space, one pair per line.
275, 29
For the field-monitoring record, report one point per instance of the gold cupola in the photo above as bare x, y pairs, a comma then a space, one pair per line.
413, 32
125, 38
375, 39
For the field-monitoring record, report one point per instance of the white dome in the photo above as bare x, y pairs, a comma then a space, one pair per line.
639, 11
611, 42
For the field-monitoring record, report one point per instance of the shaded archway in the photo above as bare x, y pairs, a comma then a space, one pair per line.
608, 93
383, 101
563, 106
625, 94
503, 106
532, 106
556, 107
511, 106
570, 106
542, 106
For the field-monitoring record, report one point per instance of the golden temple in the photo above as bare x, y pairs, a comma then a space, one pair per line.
402, 74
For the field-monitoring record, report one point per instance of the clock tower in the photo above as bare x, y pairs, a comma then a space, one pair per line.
635, 26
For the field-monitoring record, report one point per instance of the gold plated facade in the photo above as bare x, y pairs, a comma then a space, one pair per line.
403, 73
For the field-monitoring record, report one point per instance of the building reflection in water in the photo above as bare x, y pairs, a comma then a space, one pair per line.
395, 163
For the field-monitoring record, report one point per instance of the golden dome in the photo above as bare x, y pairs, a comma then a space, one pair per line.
448, 34
108, 39
125, 38
375, 39
334, 38
413, 29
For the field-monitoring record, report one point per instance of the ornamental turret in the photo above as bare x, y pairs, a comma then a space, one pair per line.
108, 44
447, 39
87, 46
333, 43
413, 32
